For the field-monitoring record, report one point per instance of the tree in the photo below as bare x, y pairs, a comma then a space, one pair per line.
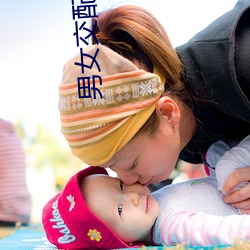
45, 150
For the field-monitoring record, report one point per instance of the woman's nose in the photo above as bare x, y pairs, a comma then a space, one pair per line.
126, 177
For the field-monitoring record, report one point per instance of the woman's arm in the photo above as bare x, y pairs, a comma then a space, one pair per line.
237, 157
240, 198
233, 175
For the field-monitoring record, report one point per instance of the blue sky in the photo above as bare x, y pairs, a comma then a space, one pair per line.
37, 39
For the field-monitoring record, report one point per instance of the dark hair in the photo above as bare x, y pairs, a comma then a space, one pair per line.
136, 34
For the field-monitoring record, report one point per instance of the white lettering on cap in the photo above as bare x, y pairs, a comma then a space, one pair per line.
67, 237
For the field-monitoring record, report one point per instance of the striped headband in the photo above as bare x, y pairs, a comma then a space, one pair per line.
97, 128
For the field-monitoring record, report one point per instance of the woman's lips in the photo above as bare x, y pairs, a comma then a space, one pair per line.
148, 183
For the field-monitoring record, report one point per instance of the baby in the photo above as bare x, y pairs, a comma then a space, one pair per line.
96, 211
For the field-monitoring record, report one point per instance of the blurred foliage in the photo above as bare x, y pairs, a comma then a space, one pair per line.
20, 130
45, 150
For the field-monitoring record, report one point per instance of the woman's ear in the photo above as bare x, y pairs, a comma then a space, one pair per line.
168, 109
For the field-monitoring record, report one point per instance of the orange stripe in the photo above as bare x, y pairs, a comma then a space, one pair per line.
89, 135
106, 79
108, 111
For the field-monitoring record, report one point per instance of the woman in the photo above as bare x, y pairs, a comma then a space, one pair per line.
137, 124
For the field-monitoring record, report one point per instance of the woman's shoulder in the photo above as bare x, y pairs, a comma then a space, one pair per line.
209, 65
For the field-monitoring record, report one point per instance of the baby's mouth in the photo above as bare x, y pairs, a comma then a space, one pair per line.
147, 202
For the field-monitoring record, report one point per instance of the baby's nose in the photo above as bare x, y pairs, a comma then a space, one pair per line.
133, 197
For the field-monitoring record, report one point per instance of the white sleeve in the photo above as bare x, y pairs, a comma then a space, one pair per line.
237, 157
201, 229
214, 153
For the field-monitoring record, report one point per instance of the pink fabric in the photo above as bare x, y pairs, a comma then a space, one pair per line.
15, 200
201, 229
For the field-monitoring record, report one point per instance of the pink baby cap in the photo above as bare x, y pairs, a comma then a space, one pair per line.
69, 223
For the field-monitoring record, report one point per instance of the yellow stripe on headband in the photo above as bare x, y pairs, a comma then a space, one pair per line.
103, 150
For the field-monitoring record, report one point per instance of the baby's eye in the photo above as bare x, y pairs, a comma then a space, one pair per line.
120, 206
121, 186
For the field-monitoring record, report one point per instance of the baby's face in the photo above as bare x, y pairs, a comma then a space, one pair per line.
130, 211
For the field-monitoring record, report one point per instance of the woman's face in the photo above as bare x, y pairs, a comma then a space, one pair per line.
148, 159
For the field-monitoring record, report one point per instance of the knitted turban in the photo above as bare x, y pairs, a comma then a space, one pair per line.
99, 126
